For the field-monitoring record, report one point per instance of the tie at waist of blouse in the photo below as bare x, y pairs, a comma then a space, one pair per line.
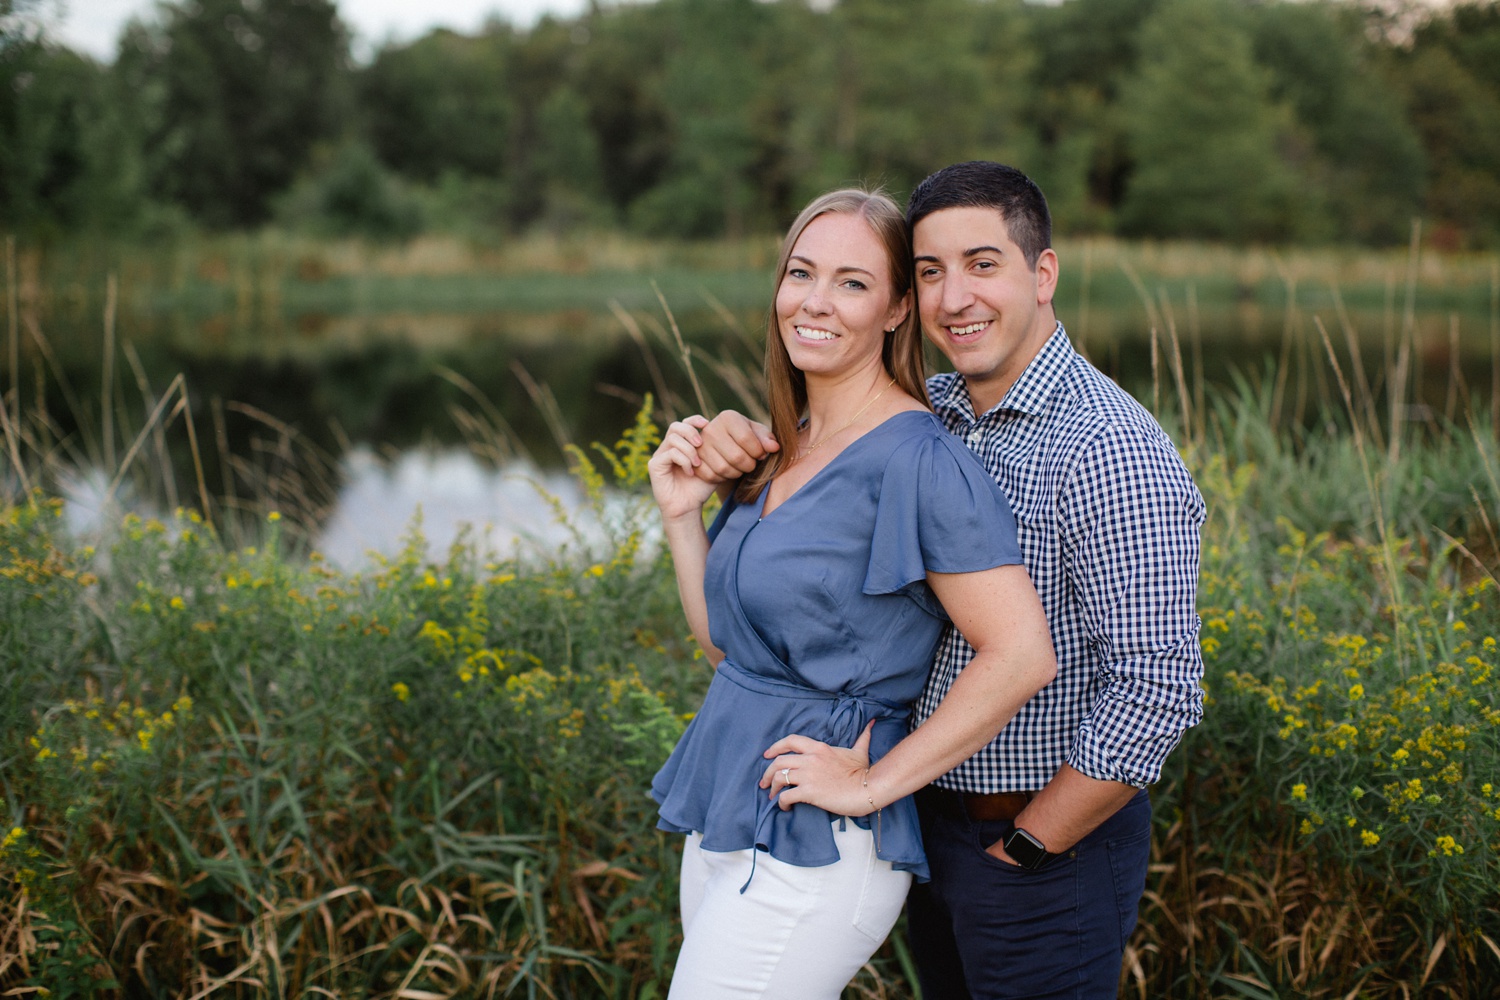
848, 713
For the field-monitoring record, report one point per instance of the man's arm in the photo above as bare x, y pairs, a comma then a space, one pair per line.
1129, 528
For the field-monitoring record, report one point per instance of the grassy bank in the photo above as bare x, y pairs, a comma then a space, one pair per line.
246, 286
236, 772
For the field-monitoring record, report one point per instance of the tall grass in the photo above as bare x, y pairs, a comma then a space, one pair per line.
231, 770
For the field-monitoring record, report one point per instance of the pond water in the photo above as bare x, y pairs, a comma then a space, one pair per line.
356, 421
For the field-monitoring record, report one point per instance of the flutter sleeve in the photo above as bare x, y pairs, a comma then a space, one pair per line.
940, 512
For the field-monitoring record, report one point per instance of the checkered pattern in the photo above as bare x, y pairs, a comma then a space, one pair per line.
1108, 519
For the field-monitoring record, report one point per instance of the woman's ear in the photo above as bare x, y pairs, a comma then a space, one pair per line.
899, 311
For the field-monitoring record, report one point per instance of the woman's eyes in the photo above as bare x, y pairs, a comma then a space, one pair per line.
802, 274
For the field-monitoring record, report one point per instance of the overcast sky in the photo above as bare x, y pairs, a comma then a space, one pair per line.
93, 26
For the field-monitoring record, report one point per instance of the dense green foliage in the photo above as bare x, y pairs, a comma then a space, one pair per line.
1229, 119
242, 769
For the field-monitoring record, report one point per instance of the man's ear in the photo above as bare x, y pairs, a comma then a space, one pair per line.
1046, 276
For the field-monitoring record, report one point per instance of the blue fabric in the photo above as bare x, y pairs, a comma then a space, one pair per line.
824, 615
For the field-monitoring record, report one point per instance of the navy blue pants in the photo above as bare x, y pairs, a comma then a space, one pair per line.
983, 929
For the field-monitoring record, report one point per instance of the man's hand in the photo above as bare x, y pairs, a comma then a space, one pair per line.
731, 446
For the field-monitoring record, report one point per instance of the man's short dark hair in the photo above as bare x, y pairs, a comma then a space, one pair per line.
982, 184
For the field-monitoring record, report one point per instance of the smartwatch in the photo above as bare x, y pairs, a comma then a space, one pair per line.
1026, 850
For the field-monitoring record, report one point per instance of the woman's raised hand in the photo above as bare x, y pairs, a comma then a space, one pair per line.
678, 491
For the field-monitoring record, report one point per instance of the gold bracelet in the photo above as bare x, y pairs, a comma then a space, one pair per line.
871, 799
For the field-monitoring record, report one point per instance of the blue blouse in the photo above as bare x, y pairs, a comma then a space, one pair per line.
826, 621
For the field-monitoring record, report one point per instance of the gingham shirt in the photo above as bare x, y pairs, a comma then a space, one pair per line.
1108, 520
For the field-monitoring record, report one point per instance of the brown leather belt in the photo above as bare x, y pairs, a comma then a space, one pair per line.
1001, 807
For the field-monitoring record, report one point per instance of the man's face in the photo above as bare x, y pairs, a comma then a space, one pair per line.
979, 301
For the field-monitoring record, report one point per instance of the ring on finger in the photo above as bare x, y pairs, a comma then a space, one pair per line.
786, 776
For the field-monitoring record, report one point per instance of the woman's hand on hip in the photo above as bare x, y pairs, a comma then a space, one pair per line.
833, 778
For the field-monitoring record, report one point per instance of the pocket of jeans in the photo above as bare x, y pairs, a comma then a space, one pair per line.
1129, 857
882, 894
988, 833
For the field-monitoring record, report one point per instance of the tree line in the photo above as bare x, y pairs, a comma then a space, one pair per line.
1235, 120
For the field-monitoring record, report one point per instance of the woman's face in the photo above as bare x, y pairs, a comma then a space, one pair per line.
835, 301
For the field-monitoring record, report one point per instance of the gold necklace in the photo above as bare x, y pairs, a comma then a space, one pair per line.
846, 425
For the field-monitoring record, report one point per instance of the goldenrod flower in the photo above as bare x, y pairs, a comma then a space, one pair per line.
1369, 838
1448, 846
401, 691
1299, 792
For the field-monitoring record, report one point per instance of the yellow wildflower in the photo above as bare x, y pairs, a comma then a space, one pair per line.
1448, 846
401, 691
1369, 838
1356, 692
1299, 791
274, 516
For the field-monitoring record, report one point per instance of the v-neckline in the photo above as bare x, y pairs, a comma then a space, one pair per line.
762, 513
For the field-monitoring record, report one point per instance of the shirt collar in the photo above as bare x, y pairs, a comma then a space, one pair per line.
1029, 393
1032, 390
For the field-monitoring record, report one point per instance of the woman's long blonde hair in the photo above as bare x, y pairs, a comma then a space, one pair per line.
786, 386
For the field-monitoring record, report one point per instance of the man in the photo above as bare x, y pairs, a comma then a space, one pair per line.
1039, 843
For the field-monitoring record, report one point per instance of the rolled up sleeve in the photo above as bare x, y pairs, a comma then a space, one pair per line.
1131, 542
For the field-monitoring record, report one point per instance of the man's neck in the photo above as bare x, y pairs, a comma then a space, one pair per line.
985, 394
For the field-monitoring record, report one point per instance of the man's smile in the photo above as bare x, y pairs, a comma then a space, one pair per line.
969, 329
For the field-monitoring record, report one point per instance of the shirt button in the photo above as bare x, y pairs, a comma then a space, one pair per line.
975, 436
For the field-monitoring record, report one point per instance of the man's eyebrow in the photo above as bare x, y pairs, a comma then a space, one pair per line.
971, 252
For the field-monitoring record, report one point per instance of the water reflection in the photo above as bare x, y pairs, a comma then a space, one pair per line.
503, 509
505, 512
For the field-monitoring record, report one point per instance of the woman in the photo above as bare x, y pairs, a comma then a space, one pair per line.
823, 618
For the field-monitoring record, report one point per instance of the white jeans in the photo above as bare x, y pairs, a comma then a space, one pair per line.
795, 933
